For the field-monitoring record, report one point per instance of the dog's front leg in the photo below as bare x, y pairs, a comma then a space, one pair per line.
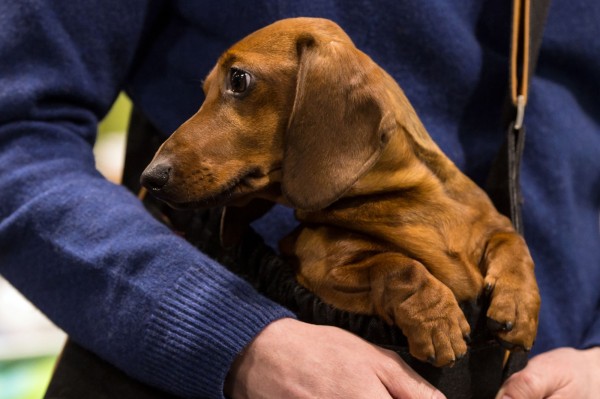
514, 294
359, 275
406, 293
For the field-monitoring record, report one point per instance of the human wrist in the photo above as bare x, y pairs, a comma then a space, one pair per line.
186, 330
264, 340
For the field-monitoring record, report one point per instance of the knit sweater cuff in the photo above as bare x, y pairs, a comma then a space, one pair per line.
198, 330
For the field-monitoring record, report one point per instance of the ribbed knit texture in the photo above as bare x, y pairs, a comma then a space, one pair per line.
122, 285
196, 328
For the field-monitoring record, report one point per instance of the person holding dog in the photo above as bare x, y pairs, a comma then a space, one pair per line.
125, 287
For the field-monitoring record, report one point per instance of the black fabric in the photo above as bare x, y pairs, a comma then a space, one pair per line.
82, 375
143, 140
539, 14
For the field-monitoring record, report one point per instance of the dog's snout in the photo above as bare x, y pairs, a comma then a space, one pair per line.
156, 177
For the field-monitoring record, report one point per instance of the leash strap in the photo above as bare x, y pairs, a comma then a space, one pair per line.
503, 184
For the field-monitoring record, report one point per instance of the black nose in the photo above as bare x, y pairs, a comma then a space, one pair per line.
154, 178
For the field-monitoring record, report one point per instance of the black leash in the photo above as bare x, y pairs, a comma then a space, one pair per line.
503, 185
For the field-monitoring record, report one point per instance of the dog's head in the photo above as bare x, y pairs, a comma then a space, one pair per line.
293, 111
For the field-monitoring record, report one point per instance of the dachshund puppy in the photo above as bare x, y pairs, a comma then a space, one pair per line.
296, 114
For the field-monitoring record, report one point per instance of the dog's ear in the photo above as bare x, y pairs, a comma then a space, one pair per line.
336, 130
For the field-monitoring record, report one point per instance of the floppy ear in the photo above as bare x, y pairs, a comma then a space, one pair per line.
335, 132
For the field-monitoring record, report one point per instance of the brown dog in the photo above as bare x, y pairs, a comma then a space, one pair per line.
294, 113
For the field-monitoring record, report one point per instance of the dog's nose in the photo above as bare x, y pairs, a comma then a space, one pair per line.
156, 177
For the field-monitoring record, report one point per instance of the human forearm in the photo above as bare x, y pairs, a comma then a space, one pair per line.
87, 253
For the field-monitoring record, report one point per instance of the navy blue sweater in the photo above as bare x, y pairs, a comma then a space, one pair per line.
85, 251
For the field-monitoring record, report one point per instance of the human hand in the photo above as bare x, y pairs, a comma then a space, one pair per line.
292, 359
560, 373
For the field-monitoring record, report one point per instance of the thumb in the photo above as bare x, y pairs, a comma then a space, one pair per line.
401, 381
527, 384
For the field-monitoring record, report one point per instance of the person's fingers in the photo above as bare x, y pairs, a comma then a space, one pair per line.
291, 359
403, 382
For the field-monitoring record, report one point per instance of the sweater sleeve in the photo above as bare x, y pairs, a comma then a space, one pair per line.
82, 249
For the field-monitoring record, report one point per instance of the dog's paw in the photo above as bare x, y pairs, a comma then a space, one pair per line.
438, 334
513, 312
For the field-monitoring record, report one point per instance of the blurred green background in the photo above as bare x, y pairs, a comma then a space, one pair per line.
29, 344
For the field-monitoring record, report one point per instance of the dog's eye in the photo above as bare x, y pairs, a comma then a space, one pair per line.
238, 80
